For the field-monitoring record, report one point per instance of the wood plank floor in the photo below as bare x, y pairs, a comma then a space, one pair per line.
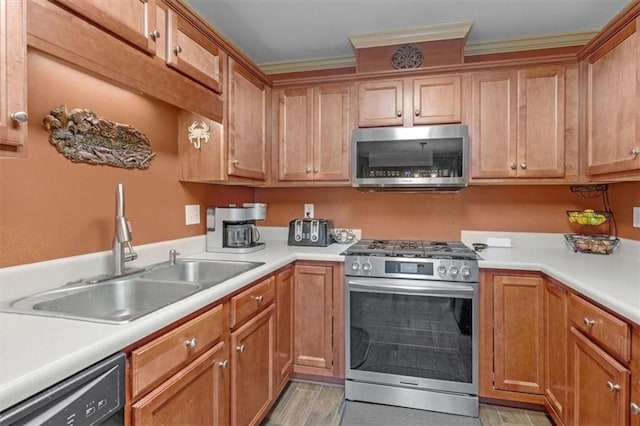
313, 404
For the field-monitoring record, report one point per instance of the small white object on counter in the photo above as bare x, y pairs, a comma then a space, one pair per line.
499, 242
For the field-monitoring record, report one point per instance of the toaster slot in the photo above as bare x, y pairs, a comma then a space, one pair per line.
315, 231
297, 233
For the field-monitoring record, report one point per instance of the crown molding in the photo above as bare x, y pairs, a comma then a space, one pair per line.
472, 49
411, 35
530, 43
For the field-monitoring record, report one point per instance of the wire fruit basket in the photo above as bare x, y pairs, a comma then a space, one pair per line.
597, 244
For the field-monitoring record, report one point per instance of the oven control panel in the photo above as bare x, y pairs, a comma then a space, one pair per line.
429, 269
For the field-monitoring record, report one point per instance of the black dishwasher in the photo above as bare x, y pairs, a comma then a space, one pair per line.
94, 396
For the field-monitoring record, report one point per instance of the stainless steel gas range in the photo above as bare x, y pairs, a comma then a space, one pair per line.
411, 320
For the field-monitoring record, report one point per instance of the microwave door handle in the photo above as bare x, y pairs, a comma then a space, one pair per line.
439, 289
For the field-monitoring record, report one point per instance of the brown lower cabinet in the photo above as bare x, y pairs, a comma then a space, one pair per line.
634, 406
556, 298
284, 326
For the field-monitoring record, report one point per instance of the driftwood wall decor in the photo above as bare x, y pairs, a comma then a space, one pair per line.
81, 136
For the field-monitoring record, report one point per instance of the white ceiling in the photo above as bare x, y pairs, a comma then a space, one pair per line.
275, 31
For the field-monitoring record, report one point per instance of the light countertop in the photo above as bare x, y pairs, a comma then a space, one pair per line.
36, 351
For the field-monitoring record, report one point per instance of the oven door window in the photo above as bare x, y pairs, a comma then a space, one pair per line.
418, 336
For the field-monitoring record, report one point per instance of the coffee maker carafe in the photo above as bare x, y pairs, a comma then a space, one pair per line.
233, 229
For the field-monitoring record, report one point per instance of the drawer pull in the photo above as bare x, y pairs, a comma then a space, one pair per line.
588, 322
612, 387
177, 50
241, 348
635, 409
635, 152
192, 343
258, 298
155, 34
20, 116
223, 364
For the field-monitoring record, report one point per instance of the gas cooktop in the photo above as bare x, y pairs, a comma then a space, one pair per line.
412, 249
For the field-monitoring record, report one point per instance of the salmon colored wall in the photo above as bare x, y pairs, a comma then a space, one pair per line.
52, 208
439, 216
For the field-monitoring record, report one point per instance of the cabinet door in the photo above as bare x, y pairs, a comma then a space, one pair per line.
541, 122
555, 348
192, 53
132, 20
295, 134
252, 385
518, 333
284, 326
196, 395
313, 344
600, 385
635, 378
332, 132
13, 76
380, 103
247, 121
493, 129
613, 102
437, 100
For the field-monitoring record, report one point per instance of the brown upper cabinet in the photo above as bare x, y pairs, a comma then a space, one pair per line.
408, 102
612, 75
314, 132
192, 53
246, 124
13, 78
518, 123
131, 20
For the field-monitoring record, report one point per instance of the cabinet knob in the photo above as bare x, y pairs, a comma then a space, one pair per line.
177, 50
612, 387
258, 298
241, 348
588, 322
399, 113
635, 409
192, 343
513, 166
523, 165
155, 34
316, 170
635, 151
235, 162
417, 112
20, 116
223, 364
308, 170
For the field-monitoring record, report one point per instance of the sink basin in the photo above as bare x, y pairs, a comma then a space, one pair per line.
204, 272
116, 301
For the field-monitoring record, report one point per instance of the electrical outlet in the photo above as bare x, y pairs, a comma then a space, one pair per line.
636, 217
192, 214
308, 211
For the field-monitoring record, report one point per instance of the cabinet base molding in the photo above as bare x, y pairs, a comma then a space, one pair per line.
302, 377
516, 404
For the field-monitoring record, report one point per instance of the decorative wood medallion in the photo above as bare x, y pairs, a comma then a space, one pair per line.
407, 57
81, 136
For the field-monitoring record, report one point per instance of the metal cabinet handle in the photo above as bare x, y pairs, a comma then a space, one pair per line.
223, 364
399, 113
635, 152
192, 343
20, 116
241, 348
417, 113
235, 162
316, 170
155, 34
177, 50
523, 165
513, 166
308, 170
588, 322
258, 298
635, 409
612, 387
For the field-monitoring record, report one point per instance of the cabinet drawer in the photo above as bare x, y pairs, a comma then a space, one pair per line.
251, 301
157, 360
611, 332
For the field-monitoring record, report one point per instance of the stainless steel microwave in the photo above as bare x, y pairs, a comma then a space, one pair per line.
420, 158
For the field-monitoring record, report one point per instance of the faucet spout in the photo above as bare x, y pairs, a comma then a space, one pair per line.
122, 235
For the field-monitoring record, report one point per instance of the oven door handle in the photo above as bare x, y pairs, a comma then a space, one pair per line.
425, 288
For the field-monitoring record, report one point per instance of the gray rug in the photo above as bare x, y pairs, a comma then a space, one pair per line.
364, 414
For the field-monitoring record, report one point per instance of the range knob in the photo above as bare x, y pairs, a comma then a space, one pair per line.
442, 270
465, 271
355, 266
366, 266
453, 270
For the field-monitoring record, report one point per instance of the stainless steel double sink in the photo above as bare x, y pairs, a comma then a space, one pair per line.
124, 299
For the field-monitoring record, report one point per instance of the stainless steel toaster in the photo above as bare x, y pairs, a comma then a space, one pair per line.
310, 232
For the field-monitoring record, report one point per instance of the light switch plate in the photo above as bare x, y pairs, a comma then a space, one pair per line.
192, 214
308, 211
636, 217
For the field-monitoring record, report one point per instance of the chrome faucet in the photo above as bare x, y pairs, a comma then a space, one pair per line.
122, 235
